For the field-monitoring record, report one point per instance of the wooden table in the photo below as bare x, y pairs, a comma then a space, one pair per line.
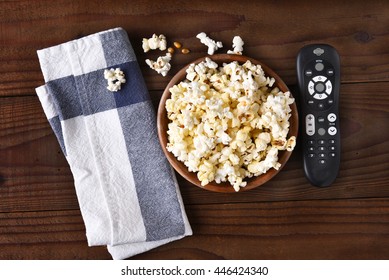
286, 218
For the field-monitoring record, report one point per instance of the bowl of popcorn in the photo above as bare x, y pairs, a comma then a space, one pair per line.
227, 123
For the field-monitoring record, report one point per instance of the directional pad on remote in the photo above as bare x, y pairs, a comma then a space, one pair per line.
319, 87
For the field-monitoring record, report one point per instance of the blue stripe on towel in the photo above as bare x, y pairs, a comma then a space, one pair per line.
100, 99
73, 95
117, 47
93, 93
153, 176
134, 90
65, 97
55, 124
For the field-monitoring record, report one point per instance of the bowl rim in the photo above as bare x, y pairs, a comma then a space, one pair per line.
254, 182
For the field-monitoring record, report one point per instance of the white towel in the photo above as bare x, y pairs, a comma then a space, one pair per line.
127, 191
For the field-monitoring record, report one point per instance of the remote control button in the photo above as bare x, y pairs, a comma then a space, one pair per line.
320, 87
321, 142
308, 72
311, 155
331, 141
332, 148
332, 154
322, 161
310, 124
332, 130
322, 148
318, 51
319, 79
328, 87
311, 149
311, 87
321, 131
320, 119
330, 101
331, 117
320, 96
320, 105
330, 72
319, 66
322, 155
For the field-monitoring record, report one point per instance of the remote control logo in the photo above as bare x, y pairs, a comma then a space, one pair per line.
318, 51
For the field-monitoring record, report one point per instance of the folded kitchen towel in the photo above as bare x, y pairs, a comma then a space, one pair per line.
127, 191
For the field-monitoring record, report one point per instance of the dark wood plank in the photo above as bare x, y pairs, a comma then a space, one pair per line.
342, 229
272, 32
46, 235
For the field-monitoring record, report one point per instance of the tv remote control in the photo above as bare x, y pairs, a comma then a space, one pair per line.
318, 75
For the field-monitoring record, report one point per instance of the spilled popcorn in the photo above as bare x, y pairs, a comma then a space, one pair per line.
153, 43
237, 44
161, 65
115, 78
211, 44
228, 123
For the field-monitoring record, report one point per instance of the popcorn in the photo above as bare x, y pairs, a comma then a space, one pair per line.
291, 143
115, 78
153, 43
237, 44
228, 123
211, 44
162, 65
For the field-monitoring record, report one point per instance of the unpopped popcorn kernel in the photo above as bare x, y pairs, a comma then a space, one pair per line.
178, 45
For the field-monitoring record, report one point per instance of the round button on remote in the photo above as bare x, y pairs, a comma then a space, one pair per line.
331, 117
320, 87
319, 66
332, 130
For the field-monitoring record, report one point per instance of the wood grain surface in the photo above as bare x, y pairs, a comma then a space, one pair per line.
284, 219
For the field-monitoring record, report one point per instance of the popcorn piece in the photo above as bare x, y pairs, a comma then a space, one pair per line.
162, 65
228, 123
211, 44
115, 78
153, 43
291, 143
237, 44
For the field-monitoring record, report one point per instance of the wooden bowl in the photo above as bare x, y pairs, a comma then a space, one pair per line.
162, 123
